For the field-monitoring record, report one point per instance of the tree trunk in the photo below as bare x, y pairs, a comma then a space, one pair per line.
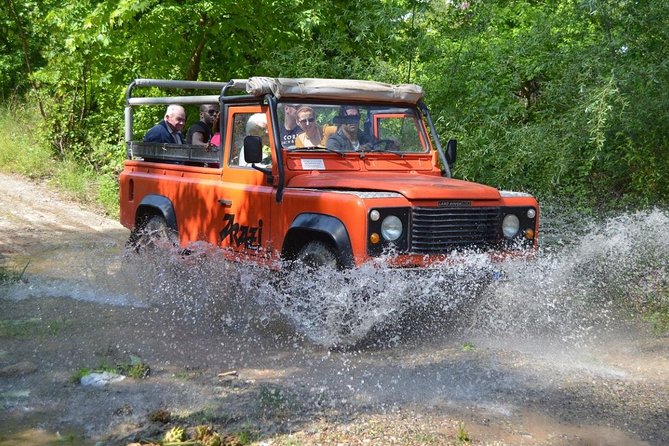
194, 64
26, 52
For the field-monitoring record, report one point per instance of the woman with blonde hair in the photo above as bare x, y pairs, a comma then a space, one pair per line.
311, 135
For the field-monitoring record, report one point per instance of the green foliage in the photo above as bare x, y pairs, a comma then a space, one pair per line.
134, 368
21, 41
175, 435
659, 319
463, 436
550, 97
19, 328
558, 98
22, 150
32, 327
246, 436
75, 378
10, 275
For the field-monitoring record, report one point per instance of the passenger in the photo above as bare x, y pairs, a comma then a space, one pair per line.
200, 133
257, 126
348, 136
311, 135
216, 127
168, 131
290, 129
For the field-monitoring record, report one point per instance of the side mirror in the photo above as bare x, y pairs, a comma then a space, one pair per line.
252, 149
451, 151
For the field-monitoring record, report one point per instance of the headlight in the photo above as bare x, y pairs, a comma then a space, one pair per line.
510, 226
391, 228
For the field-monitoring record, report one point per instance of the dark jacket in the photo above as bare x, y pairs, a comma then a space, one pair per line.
198, 127
339, 141
160, 134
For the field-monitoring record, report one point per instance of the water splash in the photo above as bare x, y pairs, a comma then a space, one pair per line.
576, 286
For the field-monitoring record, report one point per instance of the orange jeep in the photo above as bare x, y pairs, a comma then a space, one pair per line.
378, 184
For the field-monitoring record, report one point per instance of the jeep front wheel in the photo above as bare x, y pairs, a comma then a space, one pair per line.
316, 254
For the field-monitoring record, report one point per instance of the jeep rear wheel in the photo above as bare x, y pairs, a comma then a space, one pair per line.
152, 235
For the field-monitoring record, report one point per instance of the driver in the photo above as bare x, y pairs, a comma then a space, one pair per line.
348, 136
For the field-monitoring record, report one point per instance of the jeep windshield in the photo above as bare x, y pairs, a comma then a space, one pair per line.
351, 128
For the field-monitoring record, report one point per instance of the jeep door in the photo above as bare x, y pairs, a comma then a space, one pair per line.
245, 194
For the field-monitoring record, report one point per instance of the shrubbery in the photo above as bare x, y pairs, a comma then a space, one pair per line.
559, 98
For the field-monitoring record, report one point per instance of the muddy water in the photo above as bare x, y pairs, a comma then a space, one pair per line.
549, 354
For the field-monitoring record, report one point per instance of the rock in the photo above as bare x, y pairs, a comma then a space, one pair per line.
19, 369
96, 379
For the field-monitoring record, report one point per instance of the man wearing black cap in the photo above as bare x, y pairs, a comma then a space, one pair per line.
348, 137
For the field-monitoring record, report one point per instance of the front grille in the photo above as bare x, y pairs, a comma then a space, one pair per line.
441, 230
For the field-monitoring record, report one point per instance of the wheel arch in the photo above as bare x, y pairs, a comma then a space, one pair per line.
326, 228
153, 204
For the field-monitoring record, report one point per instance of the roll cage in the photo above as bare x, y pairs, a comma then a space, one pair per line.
266, 91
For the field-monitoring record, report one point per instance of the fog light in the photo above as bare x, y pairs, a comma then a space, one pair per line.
374, 215
374, 238
529, 234
531, 213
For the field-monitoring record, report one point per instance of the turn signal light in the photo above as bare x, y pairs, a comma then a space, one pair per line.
529, 234
374, 238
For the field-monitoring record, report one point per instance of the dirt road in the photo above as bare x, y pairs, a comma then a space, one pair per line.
85, 303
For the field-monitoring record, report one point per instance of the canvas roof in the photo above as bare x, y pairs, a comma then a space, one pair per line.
330, 89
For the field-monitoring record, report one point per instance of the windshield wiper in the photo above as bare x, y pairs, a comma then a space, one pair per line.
313, 148
383, 150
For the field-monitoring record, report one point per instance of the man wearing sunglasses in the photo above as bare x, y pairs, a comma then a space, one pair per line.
348, 137
200, 133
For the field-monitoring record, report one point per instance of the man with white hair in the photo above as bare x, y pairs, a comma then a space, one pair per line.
257, 126
168, 131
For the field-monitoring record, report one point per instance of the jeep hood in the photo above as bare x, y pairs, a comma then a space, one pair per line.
412, 186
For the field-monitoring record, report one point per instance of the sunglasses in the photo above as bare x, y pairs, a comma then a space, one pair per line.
307, 120
212, 112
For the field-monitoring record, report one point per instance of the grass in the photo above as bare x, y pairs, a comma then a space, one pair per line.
272, 399
462, 435
246, 436
9, 276
20, 328
659, 320
24, 150
133, 368
32, 327
21, 149
210, 414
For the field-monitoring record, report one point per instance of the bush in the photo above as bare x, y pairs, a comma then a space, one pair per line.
22, 146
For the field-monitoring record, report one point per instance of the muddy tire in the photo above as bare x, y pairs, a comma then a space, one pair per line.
153, 235
316, 254
334, 320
